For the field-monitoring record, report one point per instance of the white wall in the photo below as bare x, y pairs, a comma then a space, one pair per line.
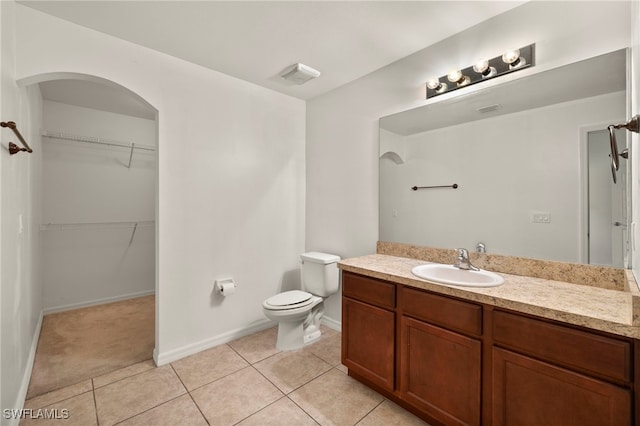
342, 126
538, 170
91, 202
20, 192
231, 178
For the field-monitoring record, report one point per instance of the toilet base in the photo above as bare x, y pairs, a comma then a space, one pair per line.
297, 334
292, 336
311, 337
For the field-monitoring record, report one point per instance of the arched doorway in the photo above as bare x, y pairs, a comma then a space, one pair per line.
98, 227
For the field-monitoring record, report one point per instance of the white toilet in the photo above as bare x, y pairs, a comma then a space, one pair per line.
297, 312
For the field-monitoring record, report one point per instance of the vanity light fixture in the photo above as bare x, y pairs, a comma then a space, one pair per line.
486, 69
300, 73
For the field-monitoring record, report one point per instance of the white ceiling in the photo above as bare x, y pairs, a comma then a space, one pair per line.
257, 40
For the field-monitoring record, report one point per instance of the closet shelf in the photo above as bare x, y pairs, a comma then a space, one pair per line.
96, 225
95, 140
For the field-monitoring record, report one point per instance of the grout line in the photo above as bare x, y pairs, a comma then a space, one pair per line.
198, 407
162, 403
270, 381
215, 380
179, 378
95, 403
370, 411
238, 353
262, 409
58, 389
149, 409
124, 378
303, 410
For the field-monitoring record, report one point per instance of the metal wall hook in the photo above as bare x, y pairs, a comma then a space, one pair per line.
13, 148
632, 125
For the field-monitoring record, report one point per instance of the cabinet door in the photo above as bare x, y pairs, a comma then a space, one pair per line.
531, 392
440, 372
368, 340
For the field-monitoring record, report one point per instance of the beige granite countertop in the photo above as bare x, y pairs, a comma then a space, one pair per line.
608, 310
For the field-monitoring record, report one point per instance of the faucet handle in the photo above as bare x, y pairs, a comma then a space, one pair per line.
463, 253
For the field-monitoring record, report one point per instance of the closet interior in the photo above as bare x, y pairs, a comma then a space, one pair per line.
98, 207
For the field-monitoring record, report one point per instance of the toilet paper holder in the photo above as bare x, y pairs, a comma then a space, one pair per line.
225, 286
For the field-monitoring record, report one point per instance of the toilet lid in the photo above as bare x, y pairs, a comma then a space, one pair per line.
288, 298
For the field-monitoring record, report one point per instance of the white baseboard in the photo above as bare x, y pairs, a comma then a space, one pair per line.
26, 377
95, 302
162, 358
332, 324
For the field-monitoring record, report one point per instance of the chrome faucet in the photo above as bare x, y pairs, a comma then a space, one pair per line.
462, 260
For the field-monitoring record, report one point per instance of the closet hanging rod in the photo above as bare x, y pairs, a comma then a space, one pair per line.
95, 140
96, 225
13, 148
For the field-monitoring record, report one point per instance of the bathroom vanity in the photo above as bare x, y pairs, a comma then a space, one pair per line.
530, 352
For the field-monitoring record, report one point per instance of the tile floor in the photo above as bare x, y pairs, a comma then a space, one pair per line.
245, 382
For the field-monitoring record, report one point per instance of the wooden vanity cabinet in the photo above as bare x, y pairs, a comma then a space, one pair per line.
455, 362
440, 367
368, 329
547, 373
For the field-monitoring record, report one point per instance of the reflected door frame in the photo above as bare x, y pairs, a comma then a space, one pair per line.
620, 239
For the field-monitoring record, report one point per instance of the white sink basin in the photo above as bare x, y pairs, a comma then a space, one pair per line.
449, 274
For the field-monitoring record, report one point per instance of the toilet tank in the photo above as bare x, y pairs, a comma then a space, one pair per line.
320, 273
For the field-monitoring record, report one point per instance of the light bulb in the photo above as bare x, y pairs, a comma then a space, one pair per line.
457, 77
435, 84
513, 59
482, 67
454, 76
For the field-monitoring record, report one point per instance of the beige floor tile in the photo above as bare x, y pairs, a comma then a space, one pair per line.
281, 413
391, 414
257, 346
235, 397
336, 399
126, 398
180, 411
58, 395
206, 366
79, 410
123, 373
342, 368
328, 348
292, 369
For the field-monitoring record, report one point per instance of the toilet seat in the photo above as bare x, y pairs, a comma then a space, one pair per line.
289, 300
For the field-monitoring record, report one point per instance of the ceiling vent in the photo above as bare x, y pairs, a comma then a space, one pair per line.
300, 74
488, 108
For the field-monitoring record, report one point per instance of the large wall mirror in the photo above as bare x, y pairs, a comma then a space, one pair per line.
530, 158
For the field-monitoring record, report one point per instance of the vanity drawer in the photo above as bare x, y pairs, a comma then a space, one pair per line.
443, 311
580, 350
369, 290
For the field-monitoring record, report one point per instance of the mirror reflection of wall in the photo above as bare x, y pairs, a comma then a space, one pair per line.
519, 177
